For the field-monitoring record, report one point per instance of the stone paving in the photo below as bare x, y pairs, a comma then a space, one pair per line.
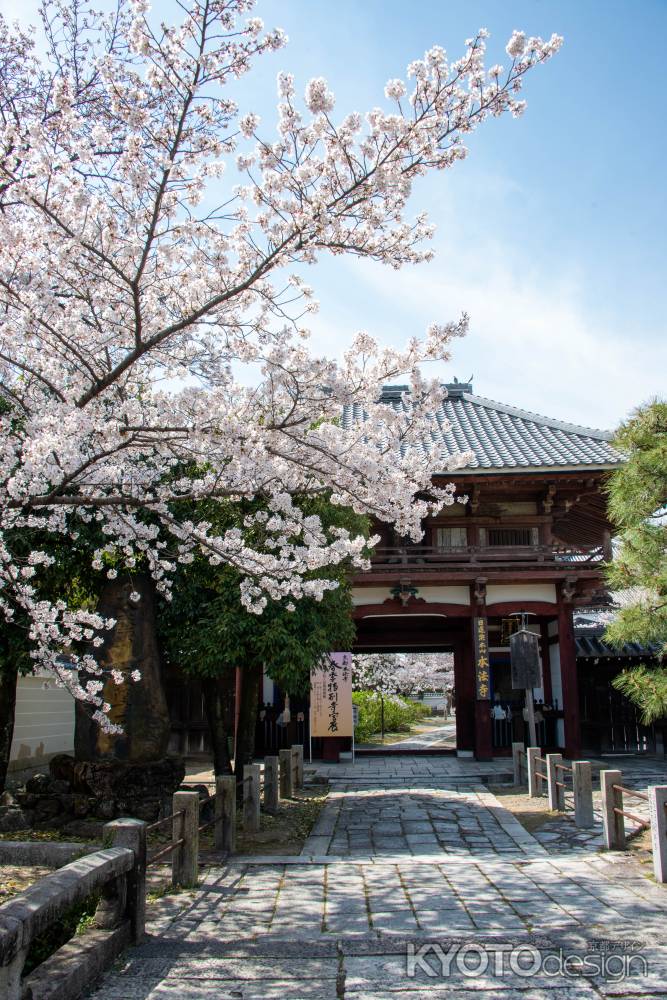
433, 918
442, 772
444, 735
359, 821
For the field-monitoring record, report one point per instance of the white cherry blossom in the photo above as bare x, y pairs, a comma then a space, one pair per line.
151, 244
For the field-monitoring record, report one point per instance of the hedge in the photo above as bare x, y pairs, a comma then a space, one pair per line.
399, 714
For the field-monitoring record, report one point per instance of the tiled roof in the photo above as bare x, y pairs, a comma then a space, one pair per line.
595, 647
504, 437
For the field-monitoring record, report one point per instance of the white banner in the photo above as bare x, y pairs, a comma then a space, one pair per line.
331, 696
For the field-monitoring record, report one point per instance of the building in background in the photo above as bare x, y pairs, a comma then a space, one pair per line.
43, 722
533, 536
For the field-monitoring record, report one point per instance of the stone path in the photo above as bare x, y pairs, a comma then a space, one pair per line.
389, 771
416, 820
465, 912
440, 736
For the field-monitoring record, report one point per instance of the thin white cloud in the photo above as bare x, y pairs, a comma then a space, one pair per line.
531, 343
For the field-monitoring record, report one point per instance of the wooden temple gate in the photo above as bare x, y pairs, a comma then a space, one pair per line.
533, 536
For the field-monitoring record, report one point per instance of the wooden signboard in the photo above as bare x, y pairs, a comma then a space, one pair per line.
526, 660
482, 680
331, 696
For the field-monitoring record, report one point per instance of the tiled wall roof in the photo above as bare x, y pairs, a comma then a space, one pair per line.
504, 437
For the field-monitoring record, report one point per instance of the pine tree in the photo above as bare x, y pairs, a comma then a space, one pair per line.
638, 574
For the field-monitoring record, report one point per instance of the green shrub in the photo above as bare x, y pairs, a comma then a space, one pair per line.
399, 714
74, 920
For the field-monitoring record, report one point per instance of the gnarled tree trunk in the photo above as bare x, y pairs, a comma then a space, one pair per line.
219, 707
139, 707
251, 678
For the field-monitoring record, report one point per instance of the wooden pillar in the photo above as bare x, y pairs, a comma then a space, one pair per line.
483, 741
546, 664
568, 674
483, 731
464, 696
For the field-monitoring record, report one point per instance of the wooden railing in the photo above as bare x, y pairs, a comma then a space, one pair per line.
571, 788
426, 557
117, 875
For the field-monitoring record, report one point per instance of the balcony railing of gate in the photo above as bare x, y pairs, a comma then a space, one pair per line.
428, 557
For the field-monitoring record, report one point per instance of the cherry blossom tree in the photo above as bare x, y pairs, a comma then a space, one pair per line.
404, 674
154, 341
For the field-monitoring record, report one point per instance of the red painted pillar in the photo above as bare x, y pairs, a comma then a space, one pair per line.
483, 742
569, 680
464, 697
546, 664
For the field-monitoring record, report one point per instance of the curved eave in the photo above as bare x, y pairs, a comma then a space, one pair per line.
500, 470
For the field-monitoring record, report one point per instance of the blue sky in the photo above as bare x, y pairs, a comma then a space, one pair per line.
551, 235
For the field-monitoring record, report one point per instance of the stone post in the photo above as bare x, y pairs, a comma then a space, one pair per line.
285, 774
657, 800
517, 760
11, 968
582, 784
185, 859
251, 782
556, 794
612, 799
534, 779
297, 762
225, 813
271, 780
132, 833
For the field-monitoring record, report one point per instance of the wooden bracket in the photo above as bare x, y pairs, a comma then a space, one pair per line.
480, 590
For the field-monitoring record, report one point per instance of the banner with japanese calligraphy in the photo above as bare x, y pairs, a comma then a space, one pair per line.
331, 696
482, 677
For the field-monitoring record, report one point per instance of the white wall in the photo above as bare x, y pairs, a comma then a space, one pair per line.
44, 722
444, 595
501, 593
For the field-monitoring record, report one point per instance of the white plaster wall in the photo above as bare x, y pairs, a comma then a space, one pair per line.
267, 689
440, 595
556, 682
446, 595
44, 721
369, 595
500, 593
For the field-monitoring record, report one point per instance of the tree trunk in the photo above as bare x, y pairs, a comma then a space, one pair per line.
8, 679
245, 737
139, 707
382, 717
218, 704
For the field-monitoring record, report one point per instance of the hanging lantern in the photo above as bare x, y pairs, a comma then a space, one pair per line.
525, 659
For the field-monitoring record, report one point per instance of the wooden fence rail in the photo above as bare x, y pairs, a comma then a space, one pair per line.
118, 874
563, 780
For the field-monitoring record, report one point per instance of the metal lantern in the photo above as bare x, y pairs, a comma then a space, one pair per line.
525, 659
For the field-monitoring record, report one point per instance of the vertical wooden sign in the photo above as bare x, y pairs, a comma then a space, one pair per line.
331, 696
482, 680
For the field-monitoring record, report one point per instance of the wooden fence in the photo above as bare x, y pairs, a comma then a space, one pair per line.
570, 787
118, 875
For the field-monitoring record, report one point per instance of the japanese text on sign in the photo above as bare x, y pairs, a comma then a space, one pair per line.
482, 677
331, 696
